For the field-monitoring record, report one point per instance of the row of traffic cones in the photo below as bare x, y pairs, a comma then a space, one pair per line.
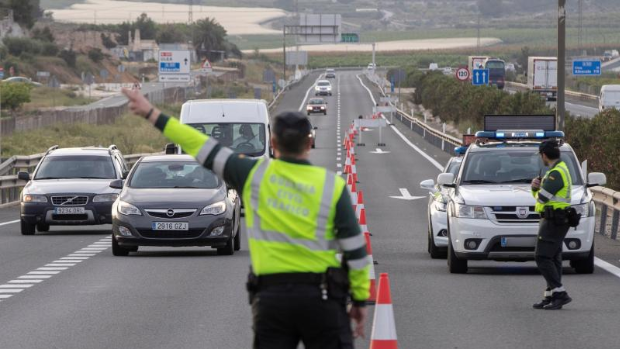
384, 328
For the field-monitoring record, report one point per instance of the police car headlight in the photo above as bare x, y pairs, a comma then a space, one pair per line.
214, 209
128, 209
467, 211
586, 210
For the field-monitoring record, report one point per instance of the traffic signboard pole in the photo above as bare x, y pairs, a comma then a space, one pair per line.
560, 108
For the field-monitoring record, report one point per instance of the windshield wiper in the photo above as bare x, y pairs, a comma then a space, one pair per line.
479, 181
520, 180
185, 187
92, 178
49, 178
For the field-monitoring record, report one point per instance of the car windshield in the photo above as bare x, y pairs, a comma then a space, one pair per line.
244, 138
316, 101
173, 174
76, 166
495, 65
521, 166
324, 83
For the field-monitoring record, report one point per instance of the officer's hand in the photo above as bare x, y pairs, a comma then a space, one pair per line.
358, 315
138, 104
536, 183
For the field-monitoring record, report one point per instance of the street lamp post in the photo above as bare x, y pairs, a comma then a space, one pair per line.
560, 108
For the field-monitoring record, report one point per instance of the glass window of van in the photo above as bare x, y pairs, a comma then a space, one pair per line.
243, 138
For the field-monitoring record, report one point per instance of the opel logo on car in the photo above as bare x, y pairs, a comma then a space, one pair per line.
170, 213
523, 212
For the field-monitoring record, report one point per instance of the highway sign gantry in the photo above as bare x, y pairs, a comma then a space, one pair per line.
174, 66
590, 67
480, 77
462, 74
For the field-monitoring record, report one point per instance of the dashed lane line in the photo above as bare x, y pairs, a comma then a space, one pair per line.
7, 223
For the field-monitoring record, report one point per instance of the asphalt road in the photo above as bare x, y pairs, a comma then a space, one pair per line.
192, 298
575, 107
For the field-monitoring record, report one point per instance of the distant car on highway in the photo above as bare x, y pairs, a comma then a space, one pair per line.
433, 66
22, 80
70, 186
330, 74
609, 98
323, 88
371, 66
172, 200
316, 105
437, 218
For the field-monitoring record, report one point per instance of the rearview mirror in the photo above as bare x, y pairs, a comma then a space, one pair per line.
24, 176
446, 179
429, 185
117, 184
596, 179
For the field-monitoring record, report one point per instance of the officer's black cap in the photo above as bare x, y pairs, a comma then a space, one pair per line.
549, 146
287, 123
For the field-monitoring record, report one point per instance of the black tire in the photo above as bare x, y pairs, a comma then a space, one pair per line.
324, 113
42, 227
27, 228
308, 114
237, 242
117, 250
227, 250
455, 265
435, 252
586, 265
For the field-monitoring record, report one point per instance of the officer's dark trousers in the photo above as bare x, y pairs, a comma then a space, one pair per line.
549, 251
284, 315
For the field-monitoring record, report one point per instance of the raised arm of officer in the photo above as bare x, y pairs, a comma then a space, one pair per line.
233, 168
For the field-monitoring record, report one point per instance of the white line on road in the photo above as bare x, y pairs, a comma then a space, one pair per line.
608, 267
11, 290
11, 222
15, 286
35, 277
19, 282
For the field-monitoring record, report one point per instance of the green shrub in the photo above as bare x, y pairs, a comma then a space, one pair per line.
96, 55
17, 46
14, 95
69, 56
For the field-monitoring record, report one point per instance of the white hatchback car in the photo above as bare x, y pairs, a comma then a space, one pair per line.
437, 218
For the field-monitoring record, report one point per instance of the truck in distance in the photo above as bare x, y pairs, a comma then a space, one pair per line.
542, 76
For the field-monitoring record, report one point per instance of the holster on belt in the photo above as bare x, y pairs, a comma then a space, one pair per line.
557, 216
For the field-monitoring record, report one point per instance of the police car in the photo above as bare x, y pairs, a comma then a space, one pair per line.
437, 233
490, 209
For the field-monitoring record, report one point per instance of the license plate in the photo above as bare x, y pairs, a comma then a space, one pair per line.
170, 226
69, 210
526, 241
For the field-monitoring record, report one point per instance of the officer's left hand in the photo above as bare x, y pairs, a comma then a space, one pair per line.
358, 315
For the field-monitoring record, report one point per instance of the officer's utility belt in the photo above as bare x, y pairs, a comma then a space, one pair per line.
562, 216
334, 283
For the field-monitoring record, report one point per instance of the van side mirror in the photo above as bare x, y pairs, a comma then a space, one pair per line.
117, 184
446, 179
23, 176
596, 179
171, 148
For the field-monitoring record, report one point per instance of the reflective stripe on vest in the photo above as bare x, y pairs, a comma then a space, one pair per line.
219, 163
206, 149
320, 243
556, 201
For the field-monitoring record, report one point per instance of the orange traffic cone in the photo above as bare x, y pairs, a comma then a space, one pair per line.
352, 188
371, 271
383, 326
347, 166
360, 204
362, 220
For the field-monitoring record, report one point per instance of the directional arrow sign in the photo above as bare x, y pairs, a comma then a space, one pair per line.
379, 151
480, 77
405, 195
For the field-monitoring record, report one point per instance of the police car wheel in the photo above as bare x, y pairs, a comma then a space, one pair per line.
227, 250
435, 252
117, 250
455, 265
584, 266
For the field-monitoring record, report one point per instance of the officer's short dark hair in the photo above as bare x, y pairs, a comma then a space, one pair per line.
292, 130
551, 148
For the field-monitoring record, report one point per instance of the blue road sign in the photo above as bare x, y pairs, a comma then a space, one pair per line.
480, 77
587, 68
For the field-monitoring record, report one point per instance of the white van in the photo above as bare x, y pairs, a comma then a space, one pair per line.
609, 97
240, 124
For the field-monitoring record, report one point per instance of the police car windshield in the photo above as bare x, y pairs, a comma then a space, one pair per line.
511, 166
243, 138
173, 174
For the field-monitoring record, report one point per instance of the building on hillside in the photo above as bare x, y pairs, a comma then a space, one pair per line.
137, 50
8, 26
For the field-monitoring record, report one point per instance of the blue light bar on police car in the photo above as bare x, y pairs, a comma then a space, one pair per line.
519, 134
460, 150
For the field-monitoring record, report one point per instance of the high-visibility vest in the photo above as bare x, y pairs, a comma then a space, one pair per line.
290, 210
562, 198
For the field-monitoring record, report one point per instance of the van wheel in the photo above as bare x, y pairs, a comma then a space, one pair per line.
586, 265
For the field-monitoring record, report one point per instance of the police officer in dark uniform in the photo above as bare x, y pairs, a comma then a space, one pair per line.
553, 196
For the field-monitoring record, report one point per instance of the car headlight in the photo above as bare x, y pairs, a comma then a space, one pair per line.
309, 107
322, 107
586, 210
105, 198
467, 211
128, 209
214, 209
440, 206
34, 198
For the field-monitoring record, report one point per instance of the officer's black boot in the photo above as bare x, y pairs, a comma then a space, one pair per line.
545, 301
558, 299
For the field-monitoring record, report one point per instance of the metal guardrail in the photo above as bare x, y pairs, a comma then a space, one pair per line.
607, 200
11, 186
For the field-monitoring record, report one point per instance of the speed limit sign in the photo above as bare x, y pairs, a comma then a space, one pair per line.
462, 74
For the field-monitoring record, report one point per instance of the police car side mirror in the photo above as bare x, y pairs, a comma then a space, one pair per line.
446, 179
596, 179
429, 185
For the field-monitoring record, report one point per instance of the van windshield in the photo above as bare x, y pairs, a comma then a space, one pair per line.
243, 138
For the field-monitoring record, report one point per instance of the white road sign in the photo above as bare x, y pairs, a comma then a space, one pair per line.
174, 66
462, 74
206, 67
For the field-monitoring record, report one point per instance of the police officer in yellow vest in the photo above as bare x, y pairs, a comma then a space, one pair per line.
553, 196
298, 217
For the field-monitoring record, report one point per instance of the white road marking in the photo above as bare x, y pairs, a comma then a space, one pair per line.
19, 282
405, 195
35, 277
11, 290
339, 165
43, 272
608, 267
7, 223
53, 268
15, 286
59, 261
5, 296
379, 151
89, 254
60, 265
73, 258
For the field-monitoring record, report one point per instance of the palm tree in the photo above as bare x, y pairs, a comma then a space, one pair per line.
208, 35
